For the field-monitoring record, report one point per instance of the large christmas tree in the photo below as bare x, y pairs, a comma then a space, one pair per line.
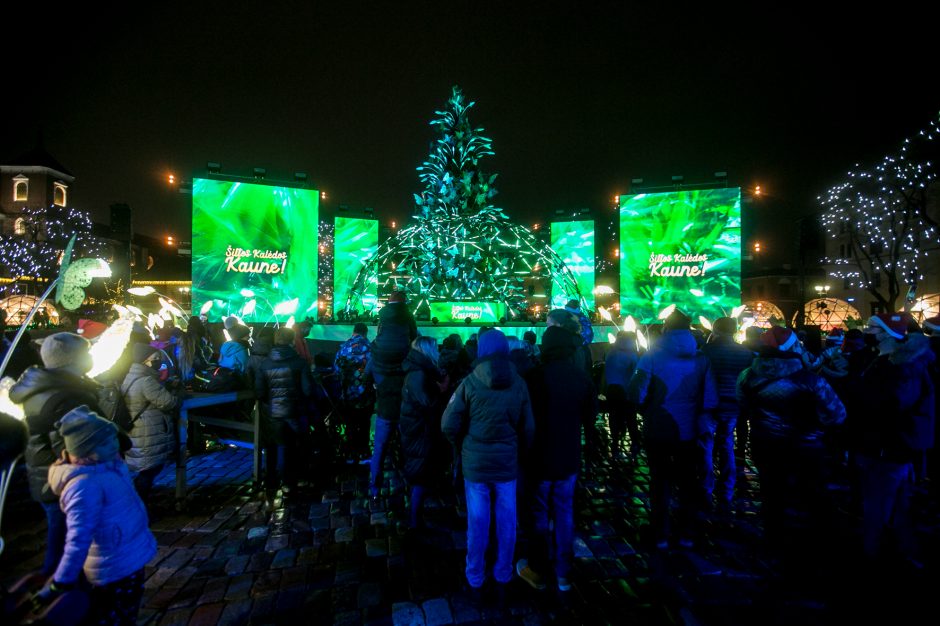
460, 247
36, 249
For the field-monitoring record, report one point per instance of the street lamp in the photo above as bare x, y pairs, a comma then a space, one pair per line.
822, 290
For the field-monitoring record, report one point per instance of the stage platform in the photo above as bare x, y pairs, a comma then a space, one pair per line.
342, 332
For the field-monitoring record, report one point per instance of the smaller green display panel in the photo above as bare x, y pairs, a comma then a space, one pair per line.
682, 248
459, 311
355, 241
574, 243
254, 251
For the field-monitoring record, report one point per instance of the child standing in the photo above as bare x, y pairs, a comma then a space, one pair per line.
108, 536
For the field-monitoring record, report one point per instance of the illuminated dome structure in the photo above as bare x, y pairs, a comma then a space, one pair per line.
764, 313
17, 308
926, 307
829, 313
459, 246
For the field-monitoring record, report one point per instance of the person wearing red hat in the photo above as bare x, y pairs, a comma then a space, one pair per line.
789, 408
895, 425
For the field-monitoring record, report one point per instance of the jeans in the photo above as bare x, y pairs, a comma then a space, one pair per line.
143, 481
886, 502
479, 497
383, 431
55, 537
554, 509
719, 439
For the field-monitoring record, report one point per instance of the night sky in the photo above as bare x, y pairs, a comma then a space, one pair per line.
577, 101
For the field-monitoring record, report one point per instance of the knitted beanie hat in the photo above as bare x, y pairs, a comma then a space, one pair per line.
85, 432
63, 349
492, 341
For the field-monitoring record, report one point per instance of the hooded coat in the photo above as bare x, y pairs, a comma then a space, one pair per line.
784, 400
674, 387
108, 536
728, 359
896, 413
396, 331
47, 395
234, 355
151, 434
621, 362
421, 407
283, 383
489, 419
563, 397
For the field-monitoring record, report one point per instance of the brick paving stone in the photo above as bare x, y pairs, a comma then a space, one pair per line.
319, 510
344, 535
320, 576
179, 579
235, 613
257, 531
263, 607
330, 497
340, 521
289, 600
376, 547
227, 549
284, 558
207, 615
161, 576
179, 617
407, 614
343, 597
581, 549
236, 564
307, 555
437, 612
293, 577
259, 562
379, 517
266, 583
276, 542
347, 618
161, 599
239, 587
213, 591
212, 567
369, 594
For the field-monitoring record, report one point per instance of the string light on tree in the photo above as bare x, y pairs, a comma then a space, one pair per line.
48, 230
882, 213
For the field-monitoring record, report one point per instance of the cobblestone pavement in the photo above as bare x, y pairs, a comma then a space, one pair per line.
322, 555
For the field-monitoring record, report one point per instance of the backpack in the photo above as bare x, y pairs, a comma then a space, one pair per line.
111, 401
223, 379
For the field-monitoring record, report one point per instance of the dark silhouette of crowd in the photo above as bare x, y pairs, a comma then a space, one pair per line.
496, 424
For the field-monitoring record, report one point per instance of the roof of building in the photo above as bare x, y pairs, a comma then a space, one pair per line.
38, 157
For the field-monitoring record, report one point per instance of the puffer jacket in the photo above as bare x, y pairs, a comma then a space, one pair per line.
47, 395
675, 381
489, 419
587, 333
728, 359
152, 431
420, 425
283, 383
786, 401
896, 411
563, 398
108, 536
396, 331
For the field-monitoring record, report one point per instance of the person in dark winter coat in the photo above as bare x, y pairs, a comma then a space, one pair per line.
728, 359
356, 391
234, 353
47, 393
519, 355
489, 419
421, 408
108, 536
619, 366
396, 331
895, 420
150, 407
789, 408
675, 388
282, 387
24, 355
563, 397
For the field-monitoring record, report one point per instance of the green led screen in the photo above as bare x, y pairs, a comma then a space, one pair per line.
682, 248
354, 241
460, 311
254, 250
574, 243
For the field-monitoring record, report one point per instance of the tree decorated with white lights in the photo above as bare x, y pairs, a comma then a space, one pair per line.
46, 232
885, 215
459, 245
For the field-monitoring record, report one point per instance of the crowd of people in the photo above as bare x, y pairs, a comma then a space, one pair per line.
498, 423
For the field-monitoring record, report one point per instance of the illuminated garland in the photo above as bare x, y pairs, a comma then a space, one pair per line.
48, 230
325, 264
884, 215
459, 246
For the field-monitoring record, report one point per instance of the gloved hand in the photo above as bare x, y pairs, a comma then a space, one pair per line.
48, 593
